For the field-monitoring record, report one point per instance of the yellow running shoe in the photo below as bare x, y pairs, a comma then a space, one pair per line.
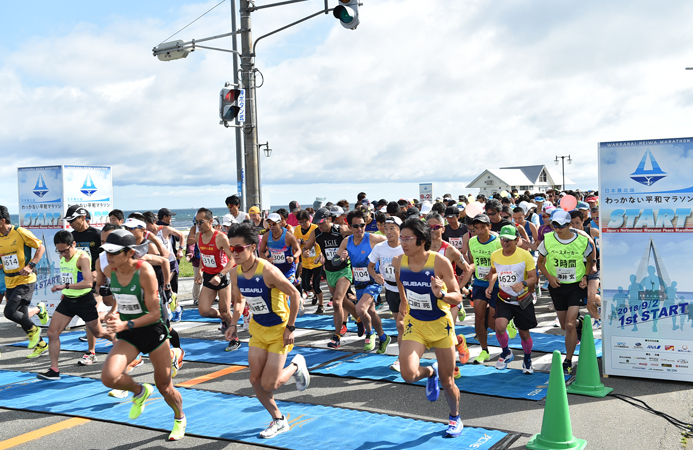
34, 336
38, 351
457, 373
42, 314
178, 429
138, 402
512, 331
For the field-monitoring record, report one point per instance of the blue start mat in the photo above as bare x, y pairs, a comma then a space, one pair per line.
238, 419
203, 350
541, 343
476, 378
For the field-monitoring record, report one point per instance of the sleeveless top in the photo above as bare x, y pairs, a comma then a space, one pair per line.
422, 304
71, 274
358, 254
280, 251
213, 258
312, 261
130, 297
269, 306
168, 245
441, 251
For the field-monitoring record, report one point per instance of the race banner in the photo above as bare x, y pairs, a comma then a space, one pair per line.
645, 201
40, 196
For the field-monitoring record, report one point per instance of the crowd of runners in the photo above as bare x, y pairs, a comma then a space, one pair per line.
424, 262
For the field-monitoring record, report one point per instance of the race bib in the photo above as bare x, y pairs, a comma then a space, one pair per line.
507, 278
278, 256
128, 304
330, 252
209, 261
361, 274
456, 242
419, 301
388, 272
66, 278
566, 274
311, 252
483, 271
257, 305
10, 262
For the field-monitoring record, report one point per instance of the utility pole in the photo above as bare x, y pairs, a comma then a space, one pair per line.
253, 195
239, 146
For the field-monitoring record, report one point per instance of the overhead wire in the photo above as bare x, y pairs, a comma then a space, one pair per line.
165, 40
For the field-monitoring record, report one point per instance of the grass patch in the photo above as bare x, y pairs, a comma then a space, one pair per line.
186, 268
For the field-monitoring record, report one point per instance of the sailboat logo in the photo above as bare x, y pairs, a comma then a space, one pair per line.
648, 177
88, 188
40, 189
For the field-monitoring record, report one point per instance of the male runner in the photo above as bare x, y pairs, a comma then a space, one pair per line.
514, 269
233, 203
18, 266
357, 248
493, 210
77, 299
139, 328
116, 217
281, 248
561, 256
265, 288
311, 265
594, 300
428, 286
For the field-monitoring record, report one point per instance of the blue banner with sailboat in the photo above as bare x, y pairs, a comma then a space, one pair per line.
646, 222
40, 196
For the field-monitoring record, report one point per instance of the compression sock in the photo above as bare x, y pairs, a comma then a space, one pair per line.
503, 341
527, 346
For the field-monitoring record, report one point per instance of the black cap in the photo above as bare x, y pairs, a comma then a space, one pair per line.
382, 202
118, 240
75, 211
320, 215
483, 218
413, 212
452, 211
163, 212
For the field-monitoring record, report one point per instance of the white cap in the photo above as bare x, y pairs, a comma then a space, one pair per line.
524, 206
228, 219
425, 208
561, 217
134, 223
274, 217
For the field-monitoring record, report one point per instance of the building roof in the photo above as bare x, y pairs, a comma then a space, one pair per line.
523, 176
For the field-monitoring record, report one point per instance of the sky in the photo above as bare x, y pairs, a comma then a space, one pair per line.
435, 94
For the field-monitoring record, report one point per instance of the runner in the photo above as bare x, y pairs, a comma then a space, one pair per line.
272, 327
493, 210
311, 265
233, 203
338, 273
18, 267
116, 217
139, 327
594, 300
357, 248
428, 287
383, 254
561, 256
77, 298
214, 274
281, 248
514, 269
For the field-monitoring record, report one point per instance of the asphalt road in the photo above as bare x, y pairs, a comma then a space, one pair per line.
607, 423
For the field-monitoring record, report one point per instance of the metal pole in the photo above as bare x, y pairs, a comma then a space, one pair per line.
239, 146
250, 128
563, 168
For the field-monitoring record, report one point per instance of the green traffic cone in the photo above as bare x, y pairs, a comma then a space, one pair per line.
587, 380
556, 430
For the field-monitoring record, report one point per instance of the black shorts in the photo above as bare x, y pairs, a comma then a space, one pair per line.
145, 339
567, 295
84, 307
21, 294
595, 276
207, 277
310, 279
479, 293
525, 319
393, 300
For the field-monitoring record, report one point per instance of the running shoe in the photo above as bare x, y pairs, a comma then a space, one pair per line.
87, 359
177, 315
556, 323
343, 331
395, 366
462, 349
461, 314
234, 345
301, 307
84, 338
320, 310
135, 363
550, 306
175, 353
329, 304
38, 351
178, 429
51, 375
503, 361
314, 301
527, 367
455, 427
432, 388
456, 374
302, 376
370, 342
512, 331
597, 324
568, 367
139, 401
382, 348
223, 327
360, 329
34, 337
117, 393
335, 342
42, 314
277, 426
483, 356
578, 328
379, 305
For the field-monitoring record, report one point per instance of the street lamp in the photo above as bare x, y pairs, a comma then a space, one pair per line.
268, 150
570, 161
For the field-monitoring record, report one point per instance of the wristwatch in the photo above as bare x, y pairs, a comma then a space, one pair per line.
168, 287
524, 282
32, 264
131, 324
442, 295
291, 328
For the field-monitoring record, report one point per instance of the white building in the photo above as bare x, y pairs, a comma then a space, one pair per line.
523, 178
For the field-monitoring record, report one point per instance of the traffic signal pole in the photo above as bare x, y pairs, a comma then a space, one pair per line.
239, 145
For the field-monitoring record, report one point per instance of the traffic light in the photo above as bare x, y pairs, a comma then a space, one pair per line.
348, 13
228, 104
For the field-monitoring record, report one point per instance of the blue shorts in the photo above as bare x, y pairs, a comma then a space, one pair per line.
372, 289
479, 293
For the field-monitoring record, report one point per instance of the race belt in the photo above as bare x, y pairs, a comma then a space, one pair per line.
524, 300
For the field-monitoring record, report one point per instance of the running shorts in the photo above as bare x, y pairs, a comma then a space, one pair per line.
145, 339
333, 277
439, 333
270, 339
393, 301
83, 306
207, 277
525, 319
479, 293
372, 289
567, 295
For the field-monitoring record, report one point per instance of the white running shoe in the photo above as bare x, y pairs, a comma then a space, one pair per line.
302, 376
87, 359
276, 427
117, 393
395, 366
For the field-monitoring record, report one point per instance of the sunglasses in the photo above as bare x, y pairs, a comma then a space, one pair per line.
436, 227
506, 240
359, 225
239, 248
556, 225
505, 217
489, 213
198, 222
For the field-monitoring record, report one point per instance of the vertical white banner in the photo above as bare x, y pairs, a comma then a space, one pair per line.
646, 200
91, 187
426, 192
